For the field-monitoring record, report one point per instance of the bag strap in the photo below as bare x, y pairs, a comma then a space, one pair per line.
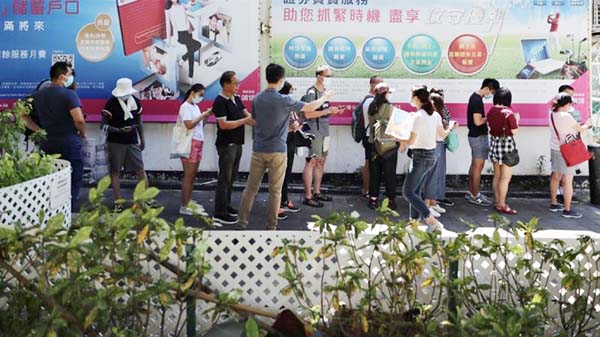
554, 126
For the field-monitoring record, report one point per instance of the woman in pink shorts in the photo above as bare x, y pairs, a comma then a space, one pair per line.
193, 119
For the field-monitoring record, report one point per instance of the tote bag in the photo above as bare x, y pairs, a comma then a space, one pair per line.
574, 152
181, 141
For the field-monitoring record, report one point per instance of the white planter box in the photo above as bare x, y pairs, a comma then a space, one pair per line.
51, 194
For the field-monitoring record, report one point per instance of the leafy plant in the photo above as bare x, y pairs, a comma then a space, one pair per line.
108, 274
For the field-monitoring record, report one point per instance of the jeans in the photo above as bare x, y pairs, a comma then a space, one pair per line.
229, 164
435, 180
291, 153
69, 147
385, 168
423, 162
276, 164
185, 38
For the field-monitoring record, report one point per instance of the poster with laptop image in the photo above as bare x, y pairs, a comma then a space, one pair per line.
189, 41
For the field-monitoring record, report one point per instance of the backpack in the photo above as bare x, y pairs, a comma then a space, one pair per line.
385, 145
358, 121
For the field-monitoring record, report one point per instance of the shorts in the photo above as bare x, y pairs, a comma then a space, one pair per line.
500, 147
480, 147
195, 153
559, 164
128, 156
368, 148
319, 147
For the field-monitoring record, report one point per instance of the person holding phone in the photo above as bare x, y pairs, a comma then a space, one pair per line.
122, 117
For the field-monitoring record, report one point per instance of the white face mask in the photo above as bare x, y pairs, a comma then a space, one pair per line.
69, 81
388, 96
412, 103
489, 96
197, 99
327, 82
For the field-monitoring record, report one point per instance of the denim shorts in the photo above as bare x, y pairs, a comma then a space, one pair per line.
480, 147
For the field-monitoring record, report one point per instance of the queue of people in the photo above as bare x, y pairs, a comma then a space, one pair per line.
276, 117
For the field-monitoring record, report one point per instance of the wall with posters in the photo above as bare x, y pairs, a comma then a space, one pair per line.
145, 40
59, 23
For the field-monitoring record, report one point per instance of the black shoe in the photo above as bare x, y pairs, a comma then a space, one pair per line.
225, 219
312, 202
290, 207
556, 208
322, 197
560, 199
281, 215
232, 211
118, 208
446, 202
574, 200
372, 203
571, 214
392, 204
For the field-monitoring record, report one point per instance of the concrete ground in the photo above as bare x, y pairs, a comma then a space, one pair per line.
456, 219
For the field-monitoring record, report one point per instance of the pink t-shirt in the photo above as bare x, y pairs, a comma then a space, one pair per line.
565, 125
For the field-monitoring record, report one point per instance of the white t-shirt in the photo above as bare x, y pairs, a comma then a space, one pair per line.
425, 128
188, 112
565, 125
178, 19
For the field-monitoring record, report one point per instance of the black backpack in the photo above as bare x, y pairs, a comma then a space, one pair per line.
358, 121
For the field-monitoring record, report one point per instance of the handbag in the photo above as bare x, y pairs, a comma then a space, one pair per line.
303, 139
101, 160
385, 146
452, 141
181, 141
574, 152
511, 158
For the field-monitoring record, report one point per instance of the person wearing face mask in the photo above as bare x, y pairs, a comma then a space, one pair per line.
193, 119
59, 112
577, 115
427, 125
478, 139
318, 123
294, 125
122, 117
232, 117
381, 166
272, 110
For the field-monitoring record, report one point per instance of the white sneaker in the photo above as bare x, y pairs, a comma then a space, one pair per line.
434, 212
437, 226
439, 209
198, 206
189, 211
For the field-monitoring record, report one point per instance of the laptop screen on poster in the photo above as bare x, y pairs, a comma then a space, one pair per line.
534, 50
141, 21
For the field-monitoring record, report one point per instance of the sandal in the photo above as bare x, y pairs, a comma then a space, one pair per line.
312, 202
322, 197
506, 210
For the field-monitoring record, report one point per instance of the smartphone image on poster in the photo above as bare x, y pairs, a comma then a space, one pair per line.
141, 21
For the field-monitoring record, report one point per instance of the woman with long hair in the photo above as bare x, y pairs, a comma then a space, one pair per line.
178, 22
562, 126
382, 165
434, 186
422, 142
286, 204
503, 125
193, 119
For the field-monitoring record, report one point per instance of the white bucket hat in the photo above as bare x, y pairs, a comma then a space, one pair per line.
124, 88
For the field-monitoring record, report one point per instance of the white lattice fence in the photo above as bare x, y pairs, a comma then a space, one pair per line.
51, 194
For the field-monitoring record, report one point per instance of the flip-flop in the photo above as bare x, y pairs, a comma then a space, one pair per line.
506, 210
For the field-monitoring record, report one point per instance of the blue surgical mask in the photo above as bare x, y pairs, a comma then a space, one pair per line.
197, 99
489, 96
69, 81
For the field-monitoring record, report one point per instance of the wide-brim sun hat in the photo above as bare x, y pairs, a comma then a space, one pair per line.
380, 87
124, 87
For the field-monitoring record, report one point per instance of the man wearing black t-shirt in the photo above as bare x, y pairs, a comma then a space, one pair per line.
478, 139
232, 117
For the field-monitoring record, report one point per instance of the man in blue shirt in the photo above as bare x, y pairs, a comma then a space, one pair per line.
271, 111
60, 115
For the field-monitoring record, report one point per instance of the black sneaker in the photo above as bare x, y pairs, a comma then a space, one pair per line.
118, 208
556, 208
281, 215
290, 207
225, 219
446, 202
560, 199
152, 203
392, 205
372, 203
571, 214
232, 211
574, 200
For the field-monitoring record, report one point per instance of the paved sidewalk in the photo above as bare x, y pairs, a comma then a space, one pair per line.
456, 218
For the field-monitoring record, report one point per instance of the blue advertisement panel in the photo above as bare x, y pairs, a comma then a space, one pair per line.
164, 46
